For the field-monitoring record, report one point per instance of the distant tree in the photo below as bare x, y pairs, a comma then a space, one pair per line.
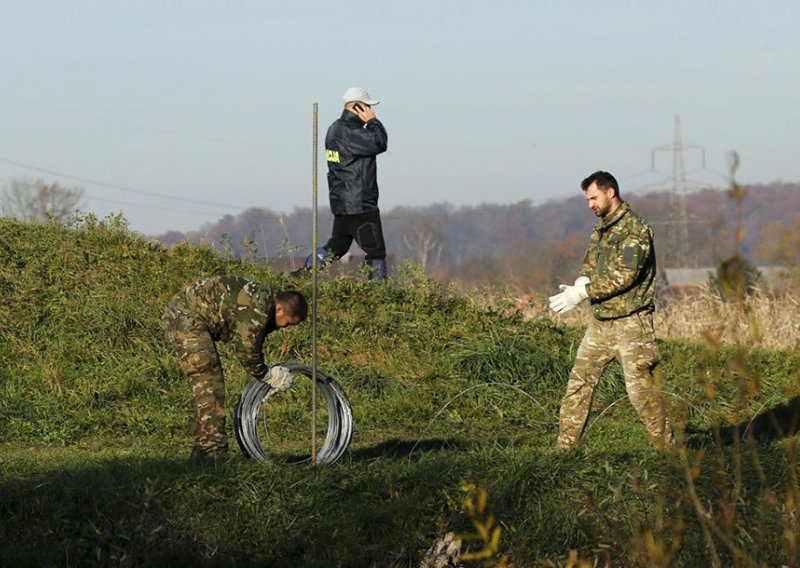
526, 246
780, 244
172, 238
567, 259
40, 201
424, 242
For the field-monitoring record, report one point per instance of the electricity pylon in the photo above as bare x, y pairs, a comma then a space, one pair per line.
678, 217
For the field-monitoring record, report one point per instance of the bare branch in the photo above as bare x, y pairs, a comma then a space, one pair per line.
39, 201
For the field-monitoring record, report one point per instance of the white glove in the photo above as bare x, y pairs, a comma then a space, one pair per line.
582, 280
279, 378
569, 297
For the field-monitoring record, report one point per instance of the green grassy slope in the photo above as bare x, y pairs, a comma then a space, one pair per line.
94, 424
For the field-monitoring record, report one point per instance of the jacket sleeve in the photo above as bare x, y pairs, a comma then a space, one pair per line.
589, 265
622, 265
370, 140
248, 343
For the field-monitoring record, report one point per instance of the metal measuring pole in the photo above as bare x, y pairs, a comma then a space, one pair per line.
314, 268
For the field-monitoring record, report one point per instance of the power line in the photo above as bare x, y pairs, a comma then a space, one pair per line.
121, 187
677, 188
153, 207
640, 174
129, 204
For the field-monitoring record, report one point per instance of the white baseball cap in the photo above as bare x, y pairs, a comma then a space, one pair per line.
357, 94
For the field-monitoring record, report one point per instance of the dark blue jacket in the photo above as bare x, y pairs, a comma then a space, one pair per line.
351, 147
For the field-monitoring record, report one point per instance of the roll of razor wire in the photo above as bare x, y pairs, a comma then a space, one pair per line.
254, 402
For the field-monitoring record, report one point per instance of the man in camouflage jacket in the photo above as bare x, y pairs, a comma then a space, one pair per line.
618, 277
233, 309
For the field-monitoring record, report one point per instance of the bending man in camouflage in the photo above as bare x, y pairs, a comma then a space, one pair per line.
225, 308
618, 276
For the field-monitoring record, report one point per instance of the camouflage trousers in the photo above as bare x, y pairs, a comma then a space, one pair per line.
631, 340
197, 355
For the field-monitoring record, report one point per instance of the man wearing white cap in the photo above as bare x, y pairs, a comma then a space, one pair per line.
351, 145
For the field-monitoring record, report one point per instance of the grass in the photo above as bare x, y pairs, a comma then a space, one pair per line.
94, 423
763, 320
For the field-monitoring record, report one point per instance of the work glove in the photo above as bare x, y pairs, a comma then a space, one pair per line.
279, 378
569, 297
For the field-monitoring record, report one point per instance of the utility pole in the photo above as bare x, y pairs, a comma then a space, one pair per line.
314, 278
678, 218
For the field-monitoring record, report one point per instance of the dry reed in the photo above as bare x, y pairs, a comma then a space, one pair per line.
761, 321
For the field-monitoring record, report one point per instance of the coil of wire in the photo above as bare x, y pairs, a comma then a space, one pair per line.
253, 406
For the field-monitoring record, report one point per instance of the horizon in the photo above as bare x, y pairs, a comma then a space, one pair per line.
389, 214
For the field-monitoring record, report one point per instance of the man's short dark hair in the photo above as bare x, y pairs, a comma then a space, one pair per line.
603, 180
293, 302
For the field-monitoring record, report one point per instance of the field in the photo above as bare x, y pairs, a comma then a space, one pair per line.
455, 401
764, 320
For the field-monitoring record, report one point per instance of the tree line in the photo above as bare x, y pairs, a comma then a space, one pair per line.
533, 247
523, 246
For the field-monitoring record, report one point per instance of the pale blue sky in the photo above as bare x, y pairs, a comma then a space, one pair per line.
211, 102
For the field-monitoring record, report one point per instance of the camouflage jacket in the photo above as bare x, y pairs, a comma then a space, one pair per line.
235, 309
621, 264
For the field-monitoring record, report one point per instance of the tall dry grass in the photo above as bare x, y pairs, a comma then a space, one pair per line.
762, 321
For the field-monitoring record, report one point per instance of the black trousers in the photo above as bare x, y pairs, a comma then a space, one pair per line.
364, 228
